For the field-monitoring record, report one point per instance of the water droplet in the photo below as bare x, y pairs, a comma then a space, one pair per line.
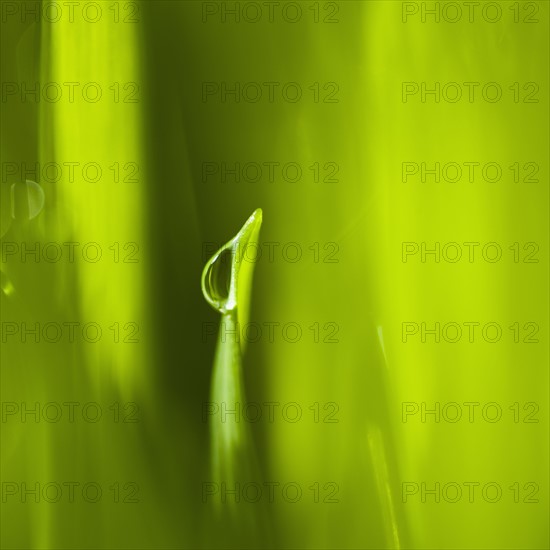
27, 200
225, 278
217, 279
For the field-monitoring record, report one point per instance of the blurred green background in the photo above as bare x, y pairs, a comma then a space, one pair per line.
153, 109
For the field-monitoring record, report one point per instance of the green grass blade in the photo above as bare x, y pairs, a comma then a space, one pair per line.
226, 285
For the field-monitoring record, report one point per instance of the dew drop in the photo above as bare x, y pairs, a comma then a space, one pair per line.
225, 278
27, 200
217, 279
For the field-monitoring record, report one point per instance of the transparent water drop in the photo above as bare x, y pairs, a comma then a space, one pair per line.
27, 200
225, 279
217, 279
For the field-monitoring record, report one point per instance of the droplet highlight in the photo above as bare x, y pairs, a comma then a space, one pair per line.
27, 200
